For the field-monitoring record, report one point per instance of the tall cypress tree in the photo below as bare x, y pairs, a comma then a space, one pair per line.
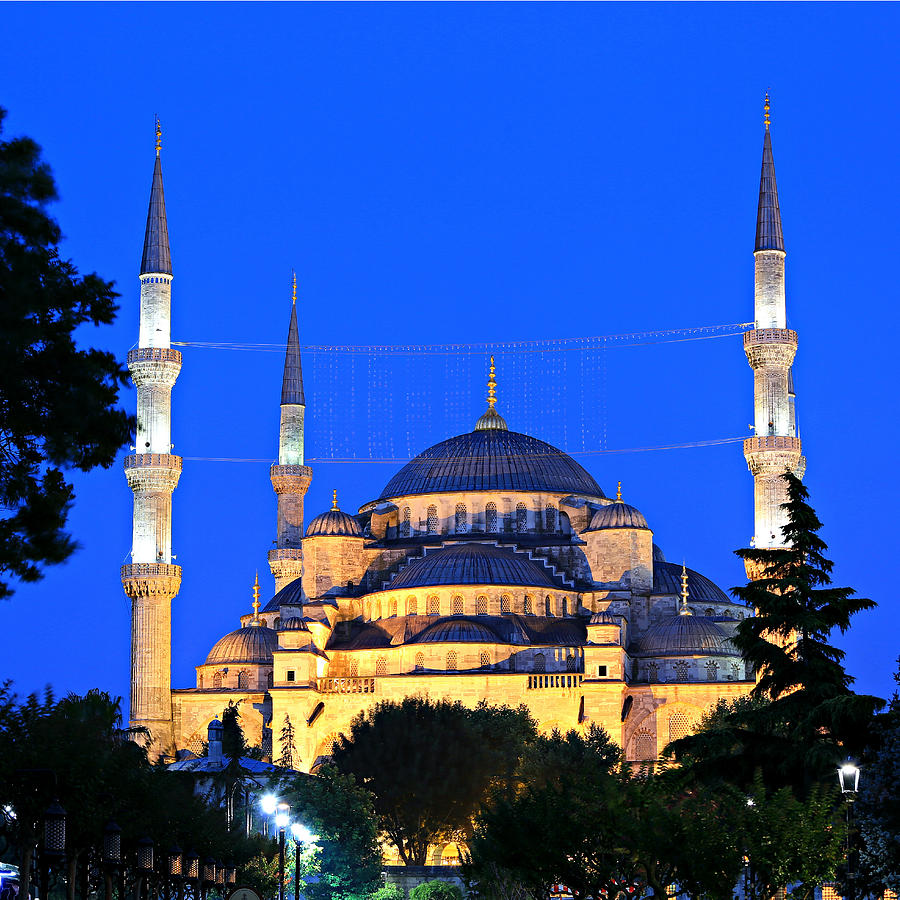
288, 746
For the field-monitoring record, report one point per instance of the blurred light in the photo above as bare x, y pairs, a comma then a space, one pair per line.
302, 834
269, 804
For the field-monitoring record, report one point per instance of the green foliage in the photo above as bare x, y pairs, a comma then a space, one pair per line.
436, 890
57, 402
388, 892
429, 765
802, 716
261, 874
878, 807
341, 815
234, 744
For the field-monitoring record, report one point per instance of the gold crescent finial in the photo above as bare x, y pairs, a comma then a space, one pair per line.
766, 108
492, 386
619, 492
158, 136
256, 599
685, 610
334, 499
293, 286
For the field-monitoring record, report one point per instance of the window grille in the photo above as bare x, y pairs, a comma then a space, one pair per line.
354, 668
490, 518
457, 608
217, 680
393, 608
571, 664
451, 661
381, 666
433, 607
550, 518
528, 606
540, 662
506, 604
644, 745
548, 600
485, 660
653, 671
461, 521
481, 606
411, 606
432, 520
243, 680
405, 524
712, 671
681, 671
521, 517
679, 726
420, 662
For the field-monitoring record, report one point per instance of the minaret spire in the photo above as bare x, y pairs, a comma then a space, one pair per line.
685, 610
290, 477
770, 347
151, 579
491, 420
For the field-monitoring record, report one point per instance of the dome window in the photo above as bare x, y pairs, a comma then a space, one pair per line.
451, 661
481, 606
420, 662
540, 663
434, 606
412, 606
521, 518
550, 518
457, 606
712, 671
405, 522
681, 670
485, 660
381, 666
490, 518
528, 605
461, 522
432, 519
506, 604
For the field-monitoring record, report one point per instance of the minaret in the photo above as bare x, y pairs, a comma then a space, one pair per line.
770, 349
150, 580
290, 478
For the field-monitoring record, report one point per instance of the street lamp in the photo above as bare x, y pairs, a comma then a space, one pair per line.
848, 778
144, 866
54, 844
282, 817
302, 835
268, 803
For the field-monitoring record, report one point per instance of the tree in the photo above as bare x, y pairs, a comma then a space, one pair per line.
878, 807
435, 890
430, 764
802, 715
57, 402
288, 747
342, 816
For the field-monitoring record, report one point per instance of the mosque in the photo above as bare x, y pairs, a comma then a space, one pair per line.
492, 566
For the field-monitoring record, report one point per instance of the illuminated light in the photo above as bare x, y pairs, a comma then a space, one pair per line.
269, 804
302, 834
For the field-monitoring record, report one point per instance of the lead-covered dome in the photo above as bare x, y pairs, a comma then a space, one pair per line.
685, 635
491, 459
472, 564
618, 515
334, 523
458, 630
667, 580
251, 644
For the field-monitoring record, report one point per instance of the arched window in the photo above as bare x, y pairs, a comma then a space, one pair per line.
432, 520
451, 661
277, 624
505, 603
681, 670
571, 664
644, 746
679, 726
456, 608
461, 522
433, 606
521, 518
491, 524
481, 606
243, 680
529, 605
381, 666
412, 607
550, 518
354, 668
217, 680
420, 662
735, 672
405, 522
652, 671
712, 671
485, 660
565, 605
710, 611
393, 608
540, 662
270, 679
548, 603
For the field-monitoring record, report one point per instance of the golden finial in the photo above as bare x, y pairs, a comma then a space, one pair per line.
685, 610
158, 136
492, 386
619, 492
293, 286
256, 599
334, 499
766, 108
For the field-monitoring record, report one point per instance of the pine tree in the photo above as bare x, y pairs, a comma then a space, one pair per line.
288, 747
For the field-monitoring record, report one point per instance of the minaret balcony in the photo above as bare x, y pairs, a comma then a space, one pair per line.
151, 580
770, 336
153, 472
290, 479
285, 553
770, 347
154, 365
772, 455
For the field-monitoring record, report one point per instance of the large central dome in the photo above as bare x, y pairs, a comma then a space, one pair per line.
491, 460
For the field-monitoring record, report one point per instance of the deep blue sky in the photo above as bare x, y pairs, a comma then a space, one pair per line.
472, 173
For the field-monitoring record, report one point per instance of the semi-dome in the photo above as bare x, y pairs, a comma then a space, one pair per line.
290, 595
458, 630
667, 580
618, 515
491, 459
472, 564
603, 618
334, 523
685, 635
294, 623
251, 644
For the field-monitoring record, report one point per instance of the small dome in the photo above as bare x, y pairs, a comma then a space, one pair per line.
294, 623
290, 595
603, 618
472, 564
491, 420
251, 644
618, 515
685, 636
458, 630
334, 523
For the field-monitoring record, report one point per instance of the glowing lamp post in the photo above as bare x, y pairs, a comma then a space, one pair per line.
282, 818
301, 835
848, 778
